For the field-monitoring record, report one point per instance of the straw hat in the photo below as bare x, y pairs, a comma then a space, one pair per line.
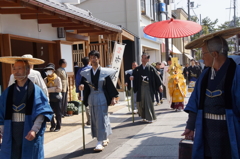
227, 33
27, 57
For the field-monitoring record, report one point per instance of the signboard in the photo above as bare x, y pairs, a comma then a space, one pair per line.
149, 37
117, 60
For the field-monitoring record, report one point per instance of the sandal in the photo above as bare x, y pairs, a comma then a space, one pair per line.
98, 148
105, 142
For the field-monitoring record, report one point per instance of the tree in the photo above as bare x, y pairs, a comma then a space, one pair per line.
208, 25
229, 24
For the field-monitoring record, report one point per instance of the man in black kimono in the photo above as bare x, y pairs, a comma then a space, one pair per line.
194, 71
185, 72
99, 93
145, 82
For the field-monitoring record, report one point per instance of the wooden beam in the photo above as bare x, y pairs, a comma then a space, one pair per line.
7, 4
64, 42
68, 25
90, 31
11, 1
39, 16
127, 35
53, 21
75, 37
17, 11
97, 33
23, 38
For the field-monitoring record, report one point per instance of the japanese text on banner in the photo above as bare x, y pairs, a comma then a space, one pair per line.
117, 60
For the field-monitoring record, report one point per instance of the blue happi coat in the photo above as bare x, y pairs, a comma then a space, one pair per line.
232, 116
30, 149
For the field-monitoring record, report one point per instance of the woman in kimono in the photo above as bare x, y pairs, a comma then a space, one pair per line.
176, 85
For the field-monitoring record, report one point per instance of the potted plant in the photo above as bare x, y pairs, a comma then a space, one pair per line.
75, 100
71, 108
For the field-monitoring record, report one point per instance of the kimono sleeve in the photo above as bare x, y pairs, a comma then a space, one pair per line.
136, 79
2, 110
236, 94
158, 82
86, 91
109, 90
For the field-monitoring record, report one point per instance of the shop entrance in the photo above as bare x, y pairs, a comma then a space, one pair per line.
37, 50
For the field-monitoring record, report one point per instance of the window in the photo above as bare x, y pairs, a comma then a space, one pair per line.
155, 10
143, 7
148, 8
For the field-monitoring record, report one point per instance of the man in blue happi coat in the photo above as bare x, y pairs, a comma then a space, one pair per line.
24, 110
78, 78
214, 106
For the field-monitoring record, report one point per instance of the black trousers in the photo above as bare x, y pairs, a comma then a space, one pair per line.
64, 103
56, 107
160, 95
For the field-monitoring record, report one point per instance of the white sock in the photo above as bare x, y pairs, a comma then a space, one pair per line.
99, 142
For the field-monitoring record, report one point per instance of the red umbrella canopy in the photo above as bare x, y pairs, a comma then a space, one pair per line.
172, 28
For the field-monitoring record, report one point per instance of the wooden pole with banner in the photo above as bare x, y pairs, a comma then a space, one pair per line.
117, 61
83, 125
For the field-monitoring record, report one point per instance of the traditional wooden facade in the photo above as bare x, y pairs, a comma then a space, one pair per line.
79, 26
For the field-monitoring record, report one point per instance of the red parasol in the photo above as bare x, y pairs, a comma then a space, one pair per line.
172, 28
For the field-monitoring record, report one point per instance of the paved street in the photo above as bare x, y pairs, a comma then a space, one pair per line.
129, 140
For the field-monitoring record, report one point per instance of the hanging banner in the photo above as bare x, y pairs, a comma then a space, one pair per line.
117, 60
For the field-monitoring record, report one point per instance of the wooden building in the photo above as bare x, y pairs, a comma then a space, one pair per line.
50, 31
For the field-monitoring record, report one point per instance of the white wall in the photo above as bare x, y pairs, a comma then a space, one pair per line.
13, 24
154, 56
66, 53
118, 12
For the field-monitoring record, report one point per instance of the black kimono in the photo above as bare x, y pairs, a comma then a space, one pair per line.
146, 82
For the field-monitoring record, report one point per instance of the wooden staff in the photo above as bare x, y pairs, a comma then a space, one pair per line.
132, 100
126, 90
83, 124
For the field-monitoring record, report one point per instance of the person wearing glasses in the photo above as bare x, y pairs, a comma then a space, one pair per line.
214, 106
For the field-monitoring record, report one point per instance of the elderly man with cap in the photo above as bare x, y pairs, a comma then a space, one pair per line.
24, 110
214, 106
34, 76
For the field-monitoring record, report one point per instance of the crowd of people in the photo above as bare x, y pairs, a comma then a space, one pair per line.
32, 99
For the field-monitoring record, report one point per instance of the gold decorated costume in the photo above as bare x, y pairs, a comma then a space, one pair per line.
176, 84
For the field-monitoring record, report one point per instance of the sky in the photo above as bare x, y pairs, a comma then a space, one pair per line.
214, 9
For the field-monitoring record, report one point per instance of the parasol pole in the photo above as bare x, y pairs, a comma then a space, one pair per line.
83, 131
132, 100
127, 98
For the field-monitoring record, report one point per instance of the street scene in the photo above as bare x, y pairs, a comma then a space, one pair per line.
119, 79
129, 140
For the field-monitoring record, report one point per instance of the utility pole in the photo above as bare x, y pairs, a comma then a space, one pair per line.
166, 39
235, 25
188, 9
234, 10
